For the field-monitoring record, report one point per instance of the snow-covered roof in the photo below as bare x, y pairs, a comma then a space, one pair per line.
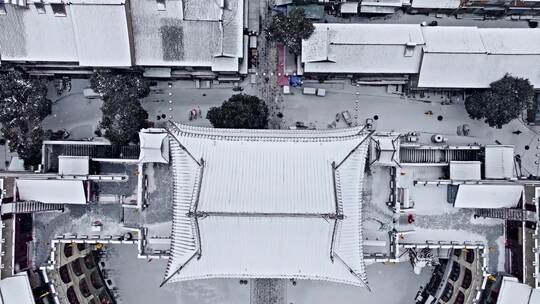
154, 147
513, 292
101, 35
452, 39
189, 33
535, 296
92, 34
470, 57
267, 204
453, 57
511, 41
386, 148
73, 165
475, 70
465, 170
16, 290
51, 191
382, 3
488, 196
349, 8
444, 4
372, 8
363, 48
499, 162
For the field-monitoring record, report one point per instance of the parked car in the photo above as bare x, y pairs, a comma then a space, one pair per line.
347, 117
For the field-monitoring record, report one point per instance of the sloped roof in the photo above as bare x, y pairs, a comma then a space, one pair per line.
92, 34
451, 70
444, 4
363, 48
465, 170
154, 147
499, 162
76, 165
267, 204
452, 39
101, 35
51, 191
386, 149
189, 33
488, 196
511, 41
471, 57
514, 292
16, 290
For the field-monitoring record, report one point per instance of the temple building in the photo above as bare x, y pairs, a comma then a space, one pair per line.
267, 204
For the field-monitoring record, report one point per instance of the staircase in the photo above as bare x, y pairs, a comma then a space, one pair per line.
507, 214
100, 151
29, 207
415, 155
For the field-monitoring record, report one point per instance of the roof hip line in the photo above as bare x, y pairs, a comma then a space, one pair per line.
173, 126
355, 148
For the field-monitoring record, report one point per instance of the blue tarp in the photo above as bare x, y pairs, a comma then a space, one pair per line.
295, 81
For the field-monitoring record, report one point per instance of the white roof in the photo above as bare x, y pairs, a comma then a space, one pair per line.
267, 204
447, 70
52, 191
73, 165
471, 57
535, 296
101, 34
154, 147
372, 8
465, 170
452, 39
363, 48
513, 292
444, 4
91, 34
382, 3
36, 37
16, 290
511, 41
166, 38
488, 196
349, 8
387, 148
499, 162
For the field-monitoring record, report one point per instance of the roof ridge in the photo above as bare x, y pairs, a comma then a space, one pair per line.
276, 135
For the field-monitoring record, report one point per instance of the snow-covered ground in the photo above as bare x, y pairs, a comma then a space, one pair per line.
74, 112
377, 218
390, 284
74, 220
402, 114
177, 101
138, 282
80, 115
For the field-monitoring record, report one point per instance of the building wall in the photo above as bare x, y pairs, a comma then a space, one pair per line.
76, 268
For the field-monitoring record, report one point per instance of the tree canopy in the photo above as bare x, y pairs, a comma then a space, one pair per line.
240, 112
291, 29
126, 85
23, 106
123, 114
504, 101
